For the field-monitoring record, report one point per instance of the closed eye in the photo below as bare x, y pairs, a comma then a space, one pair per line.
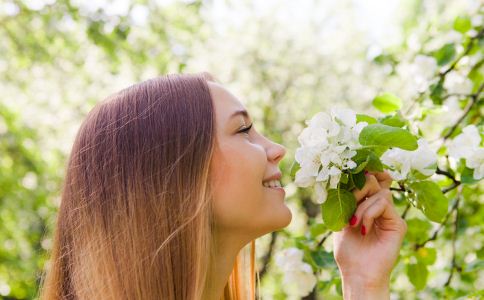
247, 129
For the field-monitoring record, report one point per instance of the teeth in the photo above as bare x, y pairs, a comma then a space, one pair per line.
272, 183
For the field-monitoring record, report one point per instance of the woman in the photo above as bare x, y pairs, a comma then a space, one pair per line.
166, 184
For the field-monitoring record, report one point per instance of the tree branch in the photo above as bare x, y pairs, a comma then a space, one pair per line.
325, 237
266, 259
404, 214
436, 232
470, 105
466, 51
454, 252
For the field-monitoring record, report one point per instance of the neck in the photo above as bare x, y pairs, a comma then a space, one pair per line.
227, 247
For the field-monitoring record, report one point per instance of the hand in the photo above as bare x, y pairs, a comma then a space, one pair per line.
366, 251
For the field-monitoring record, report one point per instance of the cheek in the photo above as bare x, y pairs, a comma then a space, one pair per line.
240, 200
238, 189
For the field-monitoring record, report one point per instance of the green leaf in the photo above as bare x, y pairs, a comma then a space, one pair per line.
360, 167
361, 159
366, 159
359, 179
294, 168
477, 76
436, 91
317, 229
467, 176
417, 273
393, 120
462, 24
365, 118
348, 186
338, 208
418, 229
445, 54
374, 163
426, 255
344, 178
387, 102
430, 200
323, 259
389, 136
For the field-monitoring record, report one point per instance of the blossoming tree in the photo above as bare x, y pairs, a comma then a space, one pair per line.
436, 177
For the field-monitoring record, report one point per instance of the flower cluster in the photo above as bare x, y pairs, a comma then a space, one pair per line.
402, 162
467, 145
327, 145
299, 279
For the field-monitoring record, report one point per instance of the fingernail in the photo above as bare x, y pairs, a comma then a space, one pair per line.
366, 172
363, 229
353, 220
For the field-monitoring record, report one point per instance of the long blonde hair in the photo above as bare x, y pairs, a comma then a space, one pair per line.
135, 218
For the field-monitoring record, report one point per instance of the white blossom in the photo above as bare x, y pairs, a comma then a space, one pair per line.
456, 83
418, 74
298, 277
467, 145
327, 145
401, 162
476, 162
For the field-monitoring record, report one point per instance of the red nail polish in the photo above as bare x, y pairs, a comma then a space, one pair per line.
366, 172
353, 220
363, 229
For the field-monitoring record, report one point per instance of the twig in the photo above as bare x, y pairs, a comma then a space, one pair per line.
404, 214
267, 257
466, 51
454, 237
474, 100
446, 174
455, 182
436, 232
325, 237
450, 188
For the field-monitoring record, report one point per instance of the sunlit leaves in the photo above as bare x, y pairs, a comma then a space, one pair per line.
417, 274
389, 136
462, 24
387, 102
445, 54
430, 200
338, 208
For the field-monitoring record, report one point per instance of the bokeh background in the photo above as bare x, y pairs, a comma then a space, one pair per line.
285, 60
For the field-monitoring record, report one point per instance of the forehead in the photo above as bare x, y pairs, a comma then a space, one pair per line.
224, 101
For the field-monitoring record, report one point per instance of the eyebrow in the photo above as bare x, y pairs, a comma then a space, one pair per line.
242, 112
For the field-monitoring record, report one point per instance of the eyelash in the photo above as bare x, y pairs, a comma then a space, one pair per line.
246, 130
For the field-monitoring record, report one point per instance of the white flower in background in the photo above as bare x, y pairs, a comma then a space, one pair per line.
463, 145
456, 83
467, 145
418, 73
327, 146
403, 161
299, 278
476, 162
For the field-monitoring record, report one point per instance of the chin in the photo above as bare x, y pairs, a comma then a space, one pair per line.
284, 218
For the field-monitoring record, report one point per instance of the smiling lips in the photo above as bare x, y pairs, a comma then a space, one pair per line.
272, 184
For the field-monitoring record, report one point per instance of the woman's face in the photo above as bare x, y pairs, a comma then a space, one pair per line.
242, 163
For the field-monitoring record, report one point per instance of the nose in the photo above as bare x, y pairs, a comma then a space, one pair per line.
275, 152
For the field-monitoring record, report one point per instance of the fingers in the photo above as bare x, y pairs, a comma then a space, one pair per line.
377, 206
384, 179
371, 187
363, 206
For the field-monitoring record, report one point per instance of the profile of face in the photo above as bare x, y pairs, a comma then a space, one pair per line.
243, 162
